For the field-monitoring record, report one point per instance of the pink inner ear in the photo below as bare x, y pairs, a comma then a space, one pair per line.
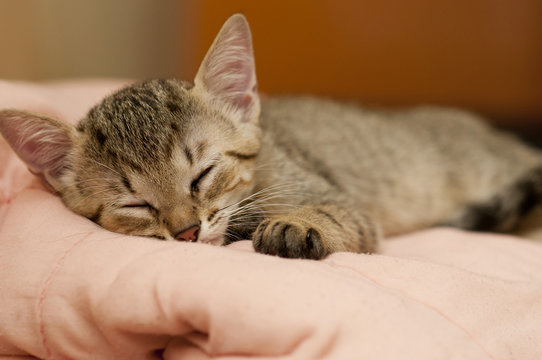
227, 71
28, 149
48, 158
45, 149
42, 143
245, 101
231, 75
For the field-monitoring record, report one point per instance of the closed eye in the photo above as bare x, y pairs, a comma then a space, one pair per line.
142, 205
194, 185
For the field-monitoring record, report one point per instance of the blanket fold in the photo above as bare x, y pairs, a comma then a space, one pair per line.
72, 290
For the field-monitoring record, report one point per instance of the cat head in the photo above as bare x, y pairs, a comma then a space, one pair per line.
161, 158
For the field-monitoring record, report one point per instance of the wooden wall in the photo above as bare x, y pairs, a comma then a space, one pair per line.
485, 55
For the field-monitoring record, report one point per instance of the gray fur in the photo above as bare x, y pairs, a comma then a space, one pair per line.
304, 177
408, 169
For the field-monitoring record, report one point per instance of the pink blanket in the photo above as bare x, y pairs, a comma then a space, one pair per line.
71, 290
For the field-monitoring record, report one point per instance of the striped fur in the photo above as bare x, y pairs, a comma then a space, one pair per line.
303, 177
505, 211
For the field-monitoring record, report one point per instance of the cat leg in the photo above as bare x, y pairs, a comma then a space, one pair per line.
506, 210
315, 231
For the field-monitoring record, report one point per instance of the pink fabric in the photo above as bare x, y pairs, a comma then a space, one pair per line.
71, 290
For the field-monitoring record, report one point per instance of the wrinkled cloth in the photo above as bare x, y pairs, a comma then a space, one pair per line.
72, 290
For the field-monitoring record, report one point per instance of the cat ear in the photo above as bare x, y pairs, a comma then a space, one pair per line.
227, 72
41, 142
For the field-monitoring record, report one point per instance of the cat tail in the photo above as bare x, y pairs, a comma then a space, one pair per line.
505, 210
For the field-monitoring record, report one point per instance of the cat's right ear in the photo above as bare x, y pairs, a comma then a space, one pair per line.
42, 143
227, 73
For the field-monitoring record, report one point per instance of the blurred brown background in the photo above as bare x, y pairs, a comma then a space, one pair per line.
51, 39
485, 55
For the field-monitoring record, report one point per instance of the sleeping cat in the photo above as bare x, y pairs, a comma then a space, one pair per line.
211, 162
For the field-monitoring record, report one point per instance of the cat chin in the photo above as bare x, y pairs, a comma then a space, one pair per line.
214, 235
216, 241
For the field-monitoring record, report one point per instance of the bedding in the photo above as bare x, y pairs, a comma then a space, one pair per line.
72, 290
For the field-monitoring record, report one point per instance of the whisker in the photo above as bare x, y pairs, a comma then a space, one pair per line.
270, 188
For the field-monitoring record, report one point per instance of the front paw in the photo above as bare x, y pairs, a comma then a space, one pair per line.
288, 238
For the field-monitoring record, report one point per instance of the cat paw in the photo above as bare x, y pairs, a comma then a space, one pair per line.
288, 238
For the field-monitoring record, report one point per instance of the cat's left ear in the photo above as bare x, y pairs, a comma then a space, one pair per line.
227, 72
41, 142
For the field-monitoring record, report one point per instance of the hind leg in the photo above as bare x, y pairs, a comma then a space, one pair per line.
505, 211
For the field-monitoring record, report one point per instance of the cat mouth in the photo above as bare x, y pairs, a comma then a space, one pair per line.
215, 235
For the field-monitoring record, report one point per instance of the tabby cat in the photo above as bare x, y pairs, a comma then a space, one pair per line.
212, 162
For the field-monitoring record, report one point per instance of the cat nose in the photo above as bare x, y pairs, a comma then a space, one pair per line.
190, 234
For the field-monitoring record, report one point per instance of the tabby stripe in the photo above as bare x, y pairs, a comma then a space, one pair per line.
220, 182
329, 216
212, 215
218, 218
126, 183
503, 211
96, 217
188, 155
100, 136
200, 149
240, 156
312, 164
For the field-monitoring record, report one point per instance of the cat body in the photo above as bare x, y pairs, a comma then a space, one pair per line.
397, 171
302, 177
409, 169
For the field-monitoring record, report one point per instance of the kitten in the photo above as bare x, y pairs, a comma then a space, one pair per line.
303, 177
